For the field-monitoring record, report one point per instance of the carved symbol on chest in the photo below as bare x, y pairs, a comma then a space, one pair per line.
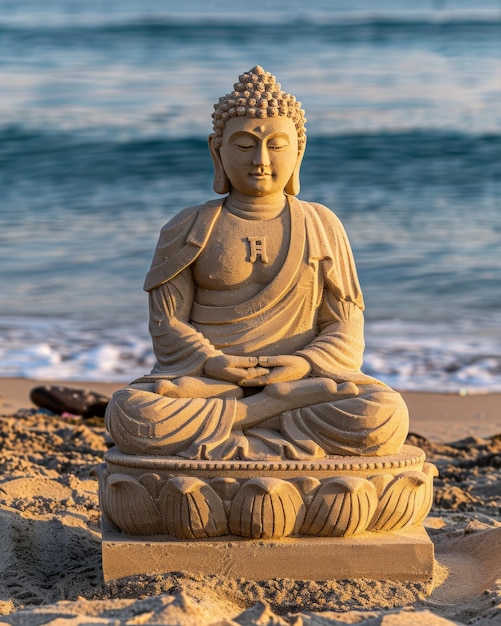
257, 248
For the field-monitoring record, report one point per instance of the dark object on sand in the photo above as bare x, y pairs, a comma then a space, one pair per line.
61, 400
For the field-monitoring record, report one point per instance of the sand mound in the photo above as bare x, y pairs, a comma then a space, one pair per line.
50, 564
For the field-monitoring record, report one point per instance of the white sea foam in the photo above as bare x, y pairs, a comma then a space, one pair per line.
462, 357
71, 350
406, 355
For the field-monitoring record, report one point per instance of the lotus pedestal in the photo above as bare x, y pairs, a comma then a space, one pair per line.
332, 518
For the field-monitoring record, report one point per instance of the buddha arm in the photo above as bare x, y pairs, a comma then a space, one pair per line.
338, 348
179, 348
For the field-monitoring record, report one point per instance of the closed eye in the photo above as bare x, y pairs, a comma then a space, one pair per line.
245, 147
277, 146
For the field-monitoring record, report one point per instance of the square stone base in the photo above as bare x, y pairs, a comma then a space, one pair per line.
407, 555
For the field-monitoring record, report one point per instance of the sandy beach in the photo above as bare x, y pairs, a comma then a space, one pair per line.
438, 417
50, 570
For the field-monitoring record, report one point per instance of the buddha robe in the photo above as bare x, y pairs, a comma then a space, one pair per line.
312, 308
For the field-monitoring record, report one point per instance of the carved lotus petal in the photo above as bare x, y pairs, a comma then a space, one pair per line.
266, 508
307, 486
226, 488
101, 472
430, 472
153, 483
191, 509
341, 507
402, 502
381, 482
130, 506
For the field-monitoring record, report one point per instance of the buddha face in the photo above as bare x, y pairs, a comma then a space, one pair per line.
259, 155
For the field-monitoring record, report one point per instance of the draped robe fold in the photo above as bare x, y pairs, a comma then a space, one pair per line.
312, 308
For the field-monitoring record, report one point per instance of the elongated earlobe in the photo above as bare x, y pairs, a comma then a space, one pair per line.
221, 183
293, 186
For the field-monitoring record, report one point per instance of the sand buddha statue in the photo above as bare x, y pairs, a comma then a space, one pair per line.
256, 312
256, 423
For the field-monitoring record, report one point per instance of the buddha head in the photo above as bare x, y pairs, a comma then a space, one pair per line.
258, 109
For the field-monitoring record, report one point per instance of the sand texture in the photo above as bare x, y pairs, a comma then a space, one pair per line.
50, 560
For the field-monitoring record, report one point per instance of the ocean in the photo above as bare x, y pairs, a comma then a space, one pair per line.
105, 110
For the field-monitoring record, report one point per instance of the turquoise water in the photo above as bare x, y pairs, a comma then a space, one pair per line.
103, 123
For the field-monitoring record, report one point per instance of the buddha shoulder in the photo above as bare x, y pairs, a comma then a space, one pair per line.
186, 219
180, 241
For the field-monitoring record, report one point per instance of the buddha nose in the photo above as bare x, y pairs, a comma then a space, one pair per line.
261, 156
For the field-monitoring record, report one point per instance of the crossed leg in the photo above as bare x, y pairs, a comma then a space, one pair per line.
273, 400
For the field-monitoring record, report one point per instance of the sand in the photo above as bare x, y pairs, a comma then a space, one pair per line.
50, 564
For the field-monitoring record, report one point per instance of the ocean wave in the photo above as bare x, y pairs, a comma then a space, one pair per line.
453, 358
61, 349
421, 210
57, 156
165, 21
326, 29
439, 158
462, 356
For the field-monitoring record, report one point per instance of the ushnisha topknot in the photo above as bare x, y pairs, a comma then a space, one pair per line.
257, 94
